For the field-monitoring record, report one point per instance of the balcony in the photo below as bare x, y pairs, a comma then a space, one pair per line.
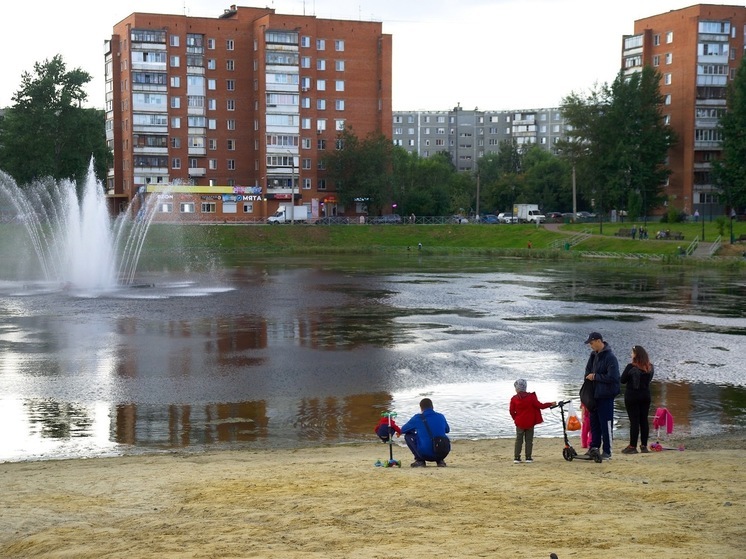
197, 172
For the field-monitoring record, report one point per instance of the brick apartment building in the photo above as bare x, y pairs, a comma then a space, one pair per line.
236, 111
697, 50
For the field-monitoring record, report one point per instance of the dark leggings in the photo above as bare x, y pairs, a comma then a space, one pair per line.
638, 408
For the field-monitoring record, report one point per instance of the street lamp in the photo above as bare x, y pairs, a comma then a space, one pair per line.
292, 187
703, 221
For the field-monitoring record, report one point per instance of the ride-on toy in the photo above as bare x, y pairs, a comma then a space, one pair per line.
391, 462
569, 453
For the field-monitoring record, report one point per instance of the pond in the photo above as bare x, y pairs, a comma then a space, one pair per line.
280, 352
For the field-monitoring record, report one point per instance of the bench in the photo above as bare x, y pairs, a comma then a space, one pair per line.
670, 236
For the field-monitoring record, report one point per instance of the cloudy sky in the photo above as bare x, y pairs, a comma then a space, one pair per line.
491, 54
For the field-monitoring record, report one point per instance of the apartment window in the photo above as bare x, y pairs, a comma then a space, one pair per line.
667, 79
321, 104
174, 40
212, 84
212, 124
339, 104
321, 85
656, 60
212, 164
305, 103
176, 163
175, 142
210, 44
667, 100
669, 58
211, 64
305, 123
231, 145
175, 122
321, 144
339, 45
230, 124
230, 65
339, 65
339, 85
306, 143
306, 184
398, 131
321, 184
208, 207
305, 41
212, 144
305, 62
231, 163
175, 81
175, 102
321, 64
669, 37
165, 208
212, 104
248, 207
339, 124
230, 85
174, 61
186, 207
656, 40
230, 104
306, 163
320, 44
229, 44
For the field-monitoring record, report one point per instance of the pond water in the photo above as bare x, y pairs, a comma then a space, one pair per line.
288, 352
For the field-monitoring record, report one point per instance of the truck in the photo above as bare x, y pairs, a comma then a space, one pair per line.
528, 213
288, 214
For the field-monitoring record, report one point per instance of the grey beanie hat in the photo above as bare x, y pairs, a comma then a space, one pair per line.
520, 385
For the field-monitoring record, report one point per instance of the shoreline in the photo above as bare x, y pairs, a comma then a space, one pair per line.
331, 501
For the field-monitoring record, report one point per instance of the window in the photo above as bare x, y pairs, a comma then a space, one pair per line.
669, 37
175, 122
321, 144
667, 100
186, 207
339, 124
176, 163
339, 104
305, 123
175, 142
321, 85
305, 42
320, 44
305, 103
212, 124
321, 64
321, 104
165, 207
306, 184
211, 64
212, 104
305, 62
210, 44
212, 144
656, 60
174, 61
306, 164
174, 40
230, 104
175, 102
230, 65
669, 58
208, 207
212, 164
339, 45
231, 145
230, 207
230, 124
667, 79
212, 84
230, 85
175, 81
321, 184
656, 40
229, 44
339, 65
248, 207
321, 125
339, 85
231, 163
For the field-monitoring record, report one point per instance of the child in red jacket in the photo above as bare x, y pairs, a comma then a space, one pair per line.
387, 427
525, 409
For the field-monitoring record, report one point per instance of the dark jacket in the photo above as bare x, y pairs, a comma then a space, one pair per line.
637, 381
438, 428
605, 366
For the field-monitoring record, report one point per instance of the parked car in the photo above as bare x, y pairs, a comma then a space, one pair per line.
383, 219
554, 215
586, 215
459, 219
489, 219
333, 220
506, 217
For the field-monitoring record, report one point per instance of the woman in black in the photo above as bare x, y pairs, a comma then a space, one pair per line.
637, 376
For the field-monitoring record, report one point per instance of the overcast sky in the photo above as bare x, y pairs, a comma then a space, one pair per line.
490, 54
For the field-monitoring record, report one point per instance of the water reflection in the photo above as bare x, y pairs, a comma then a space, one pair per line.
282, 354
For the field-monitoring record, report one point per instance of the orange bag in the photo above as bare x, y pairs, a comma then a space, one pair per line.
573, 423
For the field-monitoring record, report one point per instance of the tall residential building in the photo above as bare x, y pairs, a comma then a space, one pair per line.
468, 135
238, 110
697, 50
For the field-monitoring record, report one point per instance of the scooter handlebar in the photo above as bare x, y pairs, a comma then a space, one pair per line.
560, 404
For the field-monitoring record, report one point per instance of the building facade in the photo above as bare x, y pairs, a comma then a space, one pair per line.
697, 50
237, 111
468, 135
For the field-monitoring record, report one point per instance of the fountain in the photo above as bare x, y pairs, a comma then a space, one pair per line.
74, 243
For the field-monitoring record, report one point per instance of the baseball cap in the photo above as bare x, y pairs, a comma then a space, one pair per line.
594, 336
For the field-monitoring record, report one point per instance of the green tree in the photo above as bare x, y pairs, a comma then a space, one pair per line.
423, 185
47, 133
729, 172
362, 170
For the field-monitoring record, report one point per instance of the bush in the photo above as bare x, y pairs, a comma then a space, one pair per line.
673, 215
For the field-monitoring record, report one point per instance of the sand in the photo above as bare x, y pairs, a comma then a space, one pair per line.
333, 502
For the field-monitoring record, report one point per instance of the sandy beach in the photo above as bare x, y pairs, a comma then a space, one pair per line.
333, 502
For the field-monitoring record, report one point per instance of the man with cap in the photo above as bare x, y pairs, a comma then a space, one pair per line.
602, 369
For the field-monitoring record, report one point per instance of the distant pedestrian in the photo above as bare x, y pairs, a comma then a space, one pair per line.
530, 246
696, 215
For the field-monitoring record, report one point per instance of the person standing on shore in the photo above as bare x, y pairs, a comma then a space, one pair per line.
602, 369
637, 376
420, 431
525, 409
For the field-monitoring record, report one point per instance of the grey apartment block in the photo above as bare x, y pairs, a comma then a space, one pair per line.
468, 135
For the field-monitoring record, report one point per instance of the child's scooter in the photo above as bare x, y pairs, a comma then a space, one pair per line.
391, 462
569, 453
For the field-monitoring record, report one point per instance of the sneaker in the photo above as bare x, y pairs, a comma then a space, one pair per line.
441, 464
517, 461
629, 450
418, 464
606, 456
644, 449
529, 460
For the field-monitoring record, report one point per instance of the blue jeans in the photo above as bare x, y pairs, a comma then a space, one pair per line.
602, 424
